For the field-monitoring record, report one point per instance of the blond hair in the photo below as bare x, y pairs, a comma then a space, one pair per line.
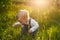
23, 13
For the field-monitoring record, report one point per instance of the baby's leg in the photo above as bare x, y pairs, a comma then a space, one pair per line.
33, 34
24, 31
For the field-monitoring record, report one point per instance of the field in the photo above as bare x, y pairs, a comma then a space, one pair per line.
48, 17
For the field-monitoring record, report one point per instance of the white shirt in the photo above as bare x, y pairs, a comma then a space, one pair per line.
33, 23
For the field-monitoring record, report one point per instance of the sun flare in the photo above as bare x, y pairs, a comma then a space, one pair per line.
41, 3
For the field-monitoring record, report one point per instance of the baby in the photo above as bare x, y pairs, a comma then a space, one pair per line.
24, 20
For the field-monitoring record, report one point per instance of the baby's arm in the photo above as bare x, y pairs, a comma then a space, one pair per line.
16, 24
34, 25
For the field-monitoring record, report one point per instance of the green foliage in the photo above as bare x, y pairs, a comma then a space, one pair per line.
49, 21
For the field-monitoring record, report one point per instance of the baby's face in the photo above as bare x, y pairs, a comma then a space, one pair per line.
23, 19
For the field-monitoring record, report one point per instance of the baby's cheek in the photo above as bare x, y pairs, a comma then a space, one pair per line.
23, 21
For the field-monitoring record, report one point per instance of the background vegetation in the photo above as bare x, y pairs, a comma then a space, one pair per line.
48, 19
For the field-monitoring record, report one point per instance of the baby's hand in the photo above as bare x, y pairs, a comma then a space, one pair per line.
14, 25
30, 31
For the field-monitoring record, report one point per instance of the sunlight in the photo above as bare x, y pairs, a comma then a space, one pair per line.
41, 3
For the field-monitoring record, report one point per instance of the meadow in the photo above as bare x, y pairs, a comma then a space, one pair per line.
48, 18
